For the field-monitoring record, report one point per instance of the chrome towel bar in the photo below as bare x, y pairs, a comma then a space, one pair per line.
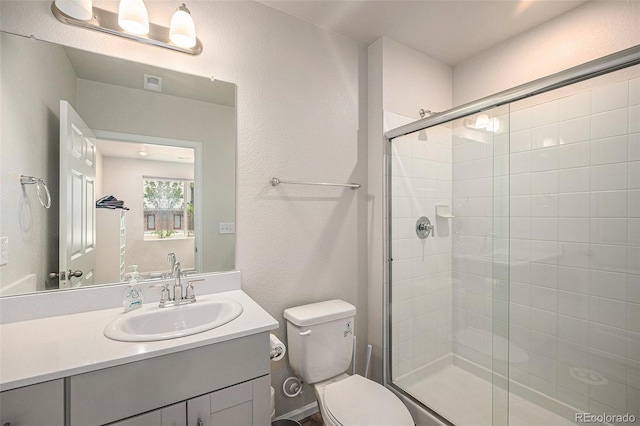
276, 181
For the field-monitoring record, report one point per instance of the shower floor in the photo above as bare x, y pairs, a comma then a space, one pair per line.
465, 400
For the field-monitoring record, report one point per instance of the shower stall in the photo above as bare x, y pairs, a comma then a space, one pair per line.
518, 301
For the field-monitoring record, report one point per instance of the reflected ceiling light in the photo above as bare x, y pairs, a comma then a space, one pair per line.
182, 30
143, 153
132, 22
133, 16
484, 122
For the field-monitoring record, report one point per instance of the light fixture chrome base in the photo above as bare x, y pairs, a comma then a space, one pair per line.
107, 22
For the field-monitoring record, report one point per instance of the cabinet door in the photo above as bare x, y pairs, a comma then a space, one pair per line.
173, 415
37, 405
240, 405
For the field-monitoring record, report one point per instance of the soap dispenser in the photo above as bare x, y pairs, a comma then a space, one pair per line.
133, 296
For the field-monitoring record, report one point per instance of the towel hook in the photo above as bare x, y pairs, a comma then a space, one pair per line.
39, 183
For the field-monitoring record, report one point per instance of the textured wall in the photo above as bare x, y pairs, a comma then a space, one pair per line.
588, 32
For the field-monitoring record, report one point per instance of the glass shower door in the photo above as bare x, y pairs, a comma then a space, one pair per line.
449, 290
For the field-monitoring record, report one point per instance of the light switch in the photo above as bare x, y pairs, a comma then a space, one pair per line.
227, 228
4, 250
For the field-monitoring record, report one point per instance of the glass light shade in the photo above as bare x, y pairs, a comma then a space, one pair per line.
182, 30
79, 9
133, 16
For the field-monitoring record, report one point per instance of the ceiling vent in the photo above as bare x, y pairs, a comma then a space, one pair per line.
151, 82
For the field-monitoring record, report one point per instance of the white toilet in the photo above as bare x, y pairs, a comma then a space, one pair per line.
320, 348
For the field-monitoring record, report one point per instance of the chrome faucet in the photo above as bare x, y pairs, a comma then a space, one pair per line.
177, 285
181, 295
171, 258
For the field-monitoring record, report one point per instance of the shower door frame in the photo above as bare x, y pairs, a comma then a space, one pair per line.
604, 65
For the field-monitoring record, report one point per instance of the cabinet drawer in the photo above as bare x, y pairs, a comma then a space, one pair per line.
37, 405
145, 385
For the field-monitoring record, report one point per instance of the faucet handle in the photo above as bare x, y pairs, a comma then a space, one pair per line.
190, 292
165, 296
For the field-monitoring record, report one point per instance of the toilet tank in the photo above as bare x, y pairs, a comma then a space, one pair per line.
320, 339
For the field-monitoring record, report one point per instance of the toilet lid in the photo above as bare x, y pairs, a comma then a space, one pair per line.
359, 401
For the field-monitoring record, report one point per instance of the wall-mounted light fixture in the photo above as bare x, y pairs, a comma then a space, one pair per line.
132, 22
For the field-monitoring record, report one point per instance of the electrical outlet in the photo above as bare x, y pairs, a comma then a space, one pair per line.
227, 228
4, 250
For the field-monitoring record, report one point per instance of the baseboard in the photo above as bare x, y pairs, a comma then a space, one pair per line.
300, 413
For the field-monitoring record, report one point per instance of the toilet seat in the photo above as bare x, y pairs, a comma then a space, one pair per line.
359, 401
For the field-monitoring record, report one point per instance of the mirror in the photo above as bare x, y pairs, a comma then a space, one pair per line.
162, 146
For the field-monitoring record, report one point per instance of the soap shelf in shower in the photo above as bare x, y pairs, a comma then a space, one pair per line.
444, 211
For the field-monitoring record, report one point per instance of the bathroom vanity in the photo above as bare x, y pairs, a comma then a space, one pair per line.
62, 370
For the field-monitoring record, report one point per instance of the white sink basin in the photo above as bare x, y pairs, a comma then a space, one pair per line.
153, 323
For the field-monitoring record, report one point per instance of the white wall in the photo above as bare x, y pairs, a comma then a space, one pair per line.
22, 219
300, 108
588, 32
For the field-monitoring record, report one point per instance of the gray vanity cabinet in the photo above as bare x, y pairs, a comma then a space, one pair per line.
36, 405
232, 373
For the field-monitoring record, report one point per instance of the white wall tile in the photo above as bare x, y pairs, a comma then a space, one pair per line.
520, 162
611, 123
609, 204
607, 311
634, 91
609, 150
634, 119
544, 321
575, 155
544, 275
608, 258
572, 131
545, 136
633, 198
543, 159
574, 230
608, 339
608, 284
573, 304
574, 180
544, 205
634, 232
573, 329
574, 255
543, 298
544, 182
578, 105
544, 114
575, 204
634, 147
544, 228
575, 280
610, 97
609, 177
609, 231
634, 175
520, 120
520, 141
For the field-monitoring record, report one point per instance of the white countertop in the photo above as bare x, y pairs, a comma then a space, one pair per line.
39, 350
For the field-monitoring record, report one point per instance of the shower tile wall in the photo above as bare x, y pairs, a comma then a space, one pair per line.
421, 291
574, 247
